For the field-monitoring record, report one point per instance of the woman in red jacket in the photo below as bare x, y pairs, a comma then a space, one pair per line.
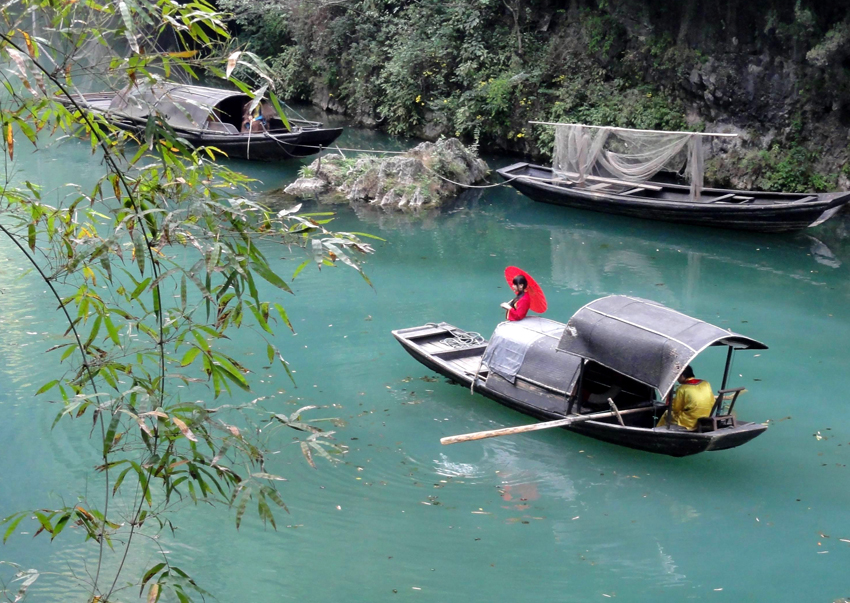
518, 306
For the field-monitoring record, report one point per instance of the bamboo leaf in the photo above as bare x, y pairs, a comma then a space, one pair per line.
139, 248
284, 317
163, 276
110, 433
185, 54
231, 65
301, 267
47, 386
60, 525
260, 320
305, 450
129, 30
265, 511
150, 574
140, 288
113, 332
94, 331
184, 429
190, 356
10, 141
322, 452
263, 270
258, 95
12, 525
280, 112
119, 480
268, 476
275, 496
243, 504
44, 521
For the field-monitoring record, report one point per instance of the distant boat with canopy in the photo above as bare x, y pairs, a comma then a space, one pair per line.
213, 117
611, 170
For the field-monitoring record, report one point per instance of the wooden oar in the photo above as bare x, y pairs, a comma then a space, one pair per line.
494, 433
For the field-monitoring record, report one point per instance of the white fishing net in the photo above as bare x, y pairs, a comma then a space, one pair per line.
628, 155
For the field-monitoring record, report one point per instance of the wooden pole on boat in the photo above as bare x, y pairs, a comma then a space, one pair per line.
717, 134
494, 433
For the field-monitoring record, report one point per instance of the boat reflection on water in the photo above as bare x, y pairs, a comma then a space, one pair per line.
587, 255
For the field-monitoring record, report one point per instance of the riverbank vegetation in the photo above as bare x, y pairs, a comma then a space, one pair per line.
779, 74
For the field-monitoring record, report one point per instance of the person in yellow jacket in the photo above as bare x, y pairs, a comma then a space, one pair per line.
693, 399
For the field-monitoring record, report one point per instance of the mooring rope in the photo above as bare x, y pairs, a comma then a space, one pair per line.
380, 152
460, 340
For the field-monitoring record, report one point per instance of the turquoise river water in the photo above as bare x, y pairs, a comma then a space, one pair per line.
548, 516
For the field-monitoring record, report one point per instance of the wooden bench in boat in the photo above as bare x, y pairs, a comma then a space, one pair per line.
728, 198
644, 185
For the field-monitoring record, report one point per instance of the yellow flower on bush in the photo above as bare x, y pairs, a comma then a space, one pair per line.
520, 135
418, 98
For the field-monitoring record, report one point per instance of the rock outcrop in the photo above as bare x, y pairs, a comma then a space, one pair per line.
426, 176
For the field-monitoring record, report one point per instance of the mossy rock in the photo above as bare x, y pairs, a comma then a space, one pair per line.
426, 176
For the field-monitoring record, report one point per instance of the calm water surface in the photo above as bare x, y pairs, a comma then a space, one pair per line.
549, 516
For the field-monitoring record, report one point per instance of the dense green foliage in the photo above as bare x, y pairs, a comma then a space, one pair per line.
457, 65
486, 68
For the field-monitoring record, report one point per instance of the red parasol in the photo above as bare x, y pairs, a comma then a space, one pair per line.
535, 293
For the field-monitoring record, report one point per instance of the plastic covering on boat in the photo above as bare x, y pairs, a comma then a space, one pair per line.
643, 339
182, 106
528, 348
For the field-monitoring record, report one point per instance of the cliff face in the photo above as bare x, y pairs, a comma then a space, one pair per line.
777, 72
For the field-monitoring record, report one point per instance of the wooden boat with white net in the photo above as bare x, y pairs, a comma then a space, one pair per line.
720, 208
211, 117
617, 171
619, 354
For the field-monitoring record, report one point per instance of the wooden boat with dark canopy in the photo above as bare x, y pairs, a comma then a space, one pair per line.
610, 170
618, 354
212, 117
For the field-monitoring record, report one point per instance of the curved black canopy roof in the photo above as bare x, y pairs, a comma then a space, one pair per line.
182, 105
643, 339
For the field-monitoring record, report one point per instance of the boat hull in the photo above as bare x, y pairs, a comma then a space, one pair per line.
770, 212
263, 146
304, 139
659, 440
